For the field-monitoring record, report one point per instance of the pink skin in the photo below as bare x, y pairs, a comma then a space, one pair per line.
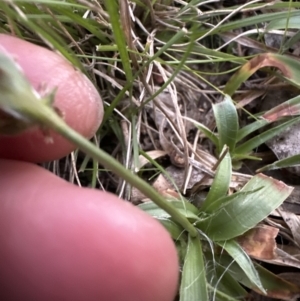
62, 242
76, 98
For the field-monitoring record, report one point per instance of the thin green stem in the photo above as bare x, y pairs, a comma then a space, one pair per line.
57, 124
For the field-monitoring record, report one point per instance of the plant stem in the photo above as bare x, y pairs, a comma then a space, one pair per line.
56, 123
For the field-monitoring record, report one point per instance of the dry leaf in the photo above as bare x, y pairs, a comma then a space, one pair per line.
259, 242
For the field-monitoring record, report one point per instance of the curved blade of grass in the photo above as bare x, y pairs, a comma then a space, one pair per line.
257, 19
172, 227
218, 55
185, 208
227, 296
239, 157
207, 132
220, 184
135, 144
243, 213
289, 22
287, 65
290, 107
161, 169
219, 295
221, 283
250, 128
291, 42
91, 25
227, 123
287, 5
274, 285
193, 282
114, 16
254, 142
288, 162
244, 261
218, 203
44, 30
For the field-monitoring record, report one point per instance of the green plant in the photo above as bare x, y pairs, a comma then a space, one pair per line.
230, 134
178, 35
213, 262
226, 115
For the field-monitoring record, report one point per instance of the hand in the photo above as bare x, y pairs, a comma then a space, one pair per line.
62, 242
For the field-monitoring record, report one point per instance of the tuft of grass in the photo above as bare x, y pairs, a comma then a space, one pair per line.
172, 77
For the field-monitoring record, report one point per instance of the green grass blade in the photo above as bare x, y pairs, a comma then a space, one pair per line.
273, 284
113, 11
254, 142
207, 132
250, 128
221, 283
241, 214
288, 22
257, 19
287, 65
89, 24
276, 286
227, 123
185, 208
135, 144
218, 203
193, 282
284, 163
44, 30
290, 107
291, 42
244, 261
220, 296
173, 228
220, 184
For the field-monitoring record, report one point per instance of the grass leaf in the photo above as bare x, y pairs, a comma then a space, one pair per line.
284, 163
273, 284
254, 142
172, 227
227, 123
244, 261
250, 128
207, 132
113, 11
220, 184
241, 214
184, 207
193, 283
